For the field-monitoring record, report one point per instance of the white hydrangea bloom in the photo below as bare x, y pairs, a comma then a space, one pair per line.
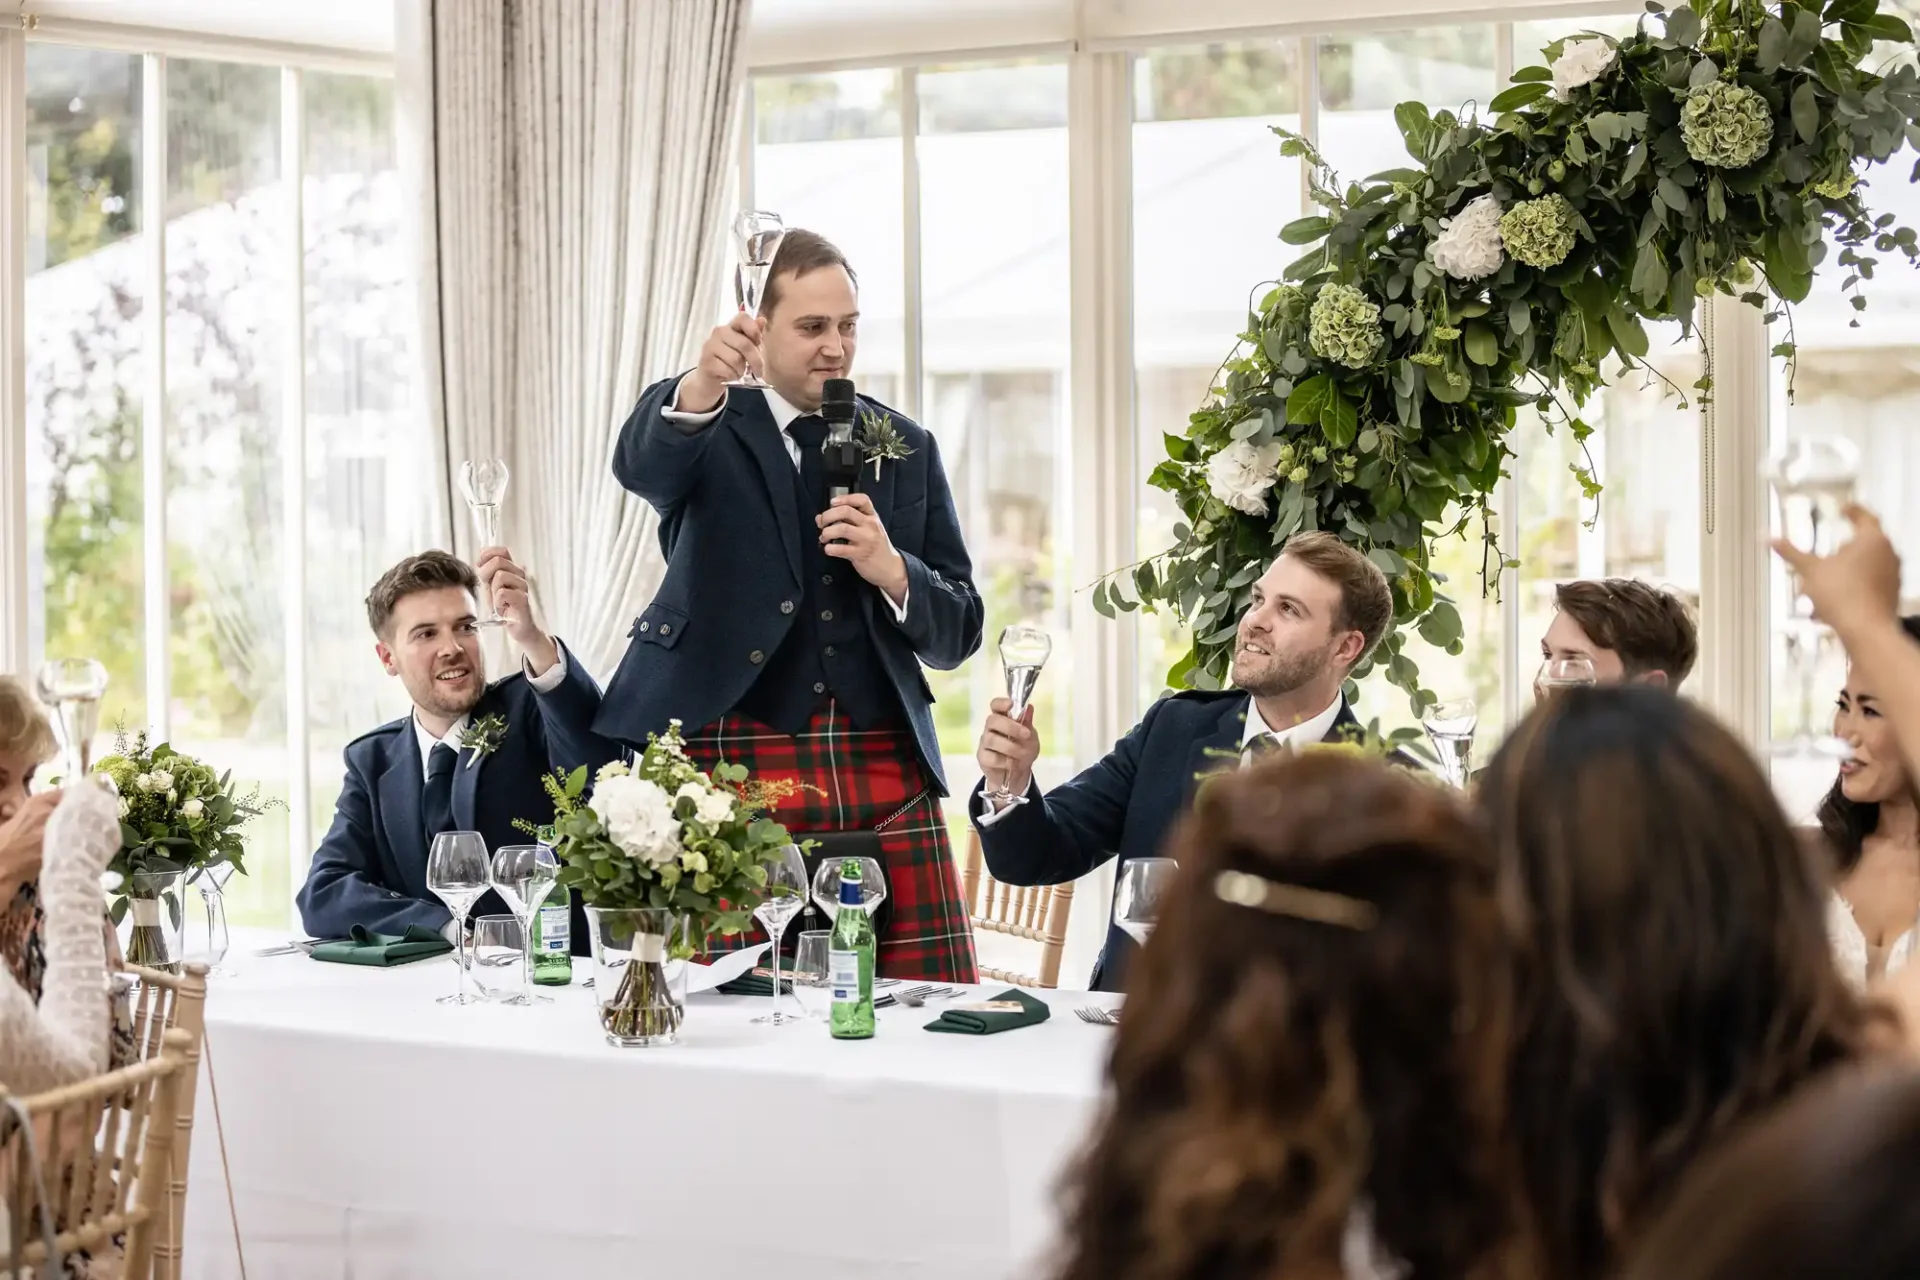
1240, 475
1469, 246
638, 815
1581, 62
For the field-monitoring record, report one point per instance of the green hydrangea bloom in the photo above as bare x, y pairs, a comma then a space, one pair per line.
1539, 232
1445, 332
1432, 359
1837, 188
1345, 326
1728, 126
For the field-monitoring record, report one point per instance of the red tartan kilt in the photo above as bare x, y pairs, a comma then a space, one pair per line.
861, 778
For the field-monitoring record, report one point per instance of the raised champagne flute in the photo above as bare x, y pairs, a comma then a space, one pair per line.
484, 485
756, 235
1024, 650
457, 873
1450, 728
1137, 898
1560, 674
786, 895
523, 874
1813, 480
73, 687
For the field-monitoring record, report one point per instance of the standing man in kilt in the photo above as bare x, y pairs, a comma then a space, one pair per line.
789, 631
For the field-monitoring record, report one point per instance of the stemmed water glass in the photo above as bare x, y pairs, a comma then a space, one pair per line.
1559, 674
457, 874
1024, 650
1450, 727
1143, 887
1813, 481
826, 886
524, 874
73, 687
484, 485
757, 235
786, 896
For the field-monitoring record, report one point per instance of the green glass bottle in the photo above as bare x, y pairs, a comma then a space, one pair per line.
850, 958
553, 940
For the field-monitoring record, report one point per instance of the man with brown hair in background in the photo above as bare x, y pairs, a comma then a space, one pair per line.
1316, 613
1631, 632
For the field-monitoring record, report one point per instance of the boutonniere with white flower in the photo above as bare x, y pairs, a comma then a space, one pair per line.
880, 440
483, 737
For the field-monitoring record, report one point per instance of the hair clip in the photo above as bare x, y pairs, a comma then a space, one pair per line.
1243, 889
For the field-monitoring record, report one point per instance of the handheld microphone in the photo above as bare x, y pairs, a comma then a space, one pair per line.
838, 452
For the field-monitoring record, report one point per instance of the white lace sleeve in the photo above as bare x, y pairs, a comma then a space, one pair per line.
65, 1038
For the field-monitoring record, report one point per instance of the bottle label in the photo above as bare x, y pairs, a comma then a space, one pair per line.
556, 926
843, 973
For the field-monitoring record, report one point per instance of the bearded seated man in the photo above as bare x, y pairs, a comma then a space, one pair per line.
1316, 613
470, 756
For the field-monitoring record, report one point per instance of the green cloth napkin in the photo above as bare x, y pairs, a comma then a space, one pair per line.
383, 950
757, 982
972, 1019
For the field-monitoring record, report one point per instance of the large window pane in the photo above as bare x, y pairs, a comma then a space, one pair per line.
364, 452
1210, 194
84, 368
1362, 79
827, 157
227, 259
994, 270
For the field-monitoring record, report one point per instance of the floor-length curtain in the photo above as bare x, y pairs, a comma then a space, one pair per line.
582, 154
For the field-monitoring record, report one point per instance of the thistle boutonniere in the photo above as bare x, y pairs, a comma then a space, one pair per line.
483, 737
880, 440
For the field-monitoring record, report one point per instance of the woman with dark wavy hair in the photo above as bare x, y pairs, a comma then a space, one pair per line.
1674, 976
1871, 824
1307, 1081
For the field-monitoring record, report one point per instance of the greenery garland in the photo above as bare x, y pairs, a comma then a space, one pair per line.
1375, 390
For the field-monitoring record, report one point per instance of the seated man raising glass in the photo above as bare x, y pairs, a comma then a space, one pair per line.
1631, 632
470, 756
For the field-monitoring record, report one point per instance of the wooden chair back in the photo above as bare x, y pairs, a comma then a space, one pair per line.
165, 1002
1033, 913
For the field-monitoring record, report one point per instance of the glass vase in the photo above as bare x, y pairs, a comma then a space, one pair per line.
152, 926
210, 948
639, 973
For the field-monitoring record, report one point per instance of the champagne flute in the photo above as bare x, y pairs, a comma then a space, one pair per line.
524, 875
1024, 650
1813, 481
786, 895
1143, 886
826, 886
1450, 727
1557, 674
757, 235
457, 874
484, 485
73, 687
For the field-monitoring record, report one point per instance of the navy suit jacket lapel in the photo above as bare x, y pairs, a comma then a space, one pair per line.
752, 421
882, 488
1225, 736
402, 788
467, 771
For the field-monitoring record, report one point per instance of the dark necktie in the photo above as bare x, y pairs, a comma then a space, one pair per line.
437, 809
1264, 747
810, 432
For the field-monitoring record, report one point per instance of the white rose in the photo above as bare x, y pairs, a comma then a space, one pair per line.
638, 816
1581, 62
126, 807
143, 782
1469, 246
193, 808
172, 795
1240, 475
709, 806
162, 780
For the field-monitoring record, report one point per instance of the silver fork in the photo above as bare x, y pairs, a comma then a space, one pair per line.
1097, 1016
914, 997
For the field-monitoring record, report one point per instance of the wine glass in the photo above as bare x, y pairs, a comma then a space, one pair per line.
1023, 651
457, 874
73, 687
524, 874
786, 895
1136, 899
1450, 727
484, 485
1813, 481
1557, 674
811, 973
826, 886
757, 235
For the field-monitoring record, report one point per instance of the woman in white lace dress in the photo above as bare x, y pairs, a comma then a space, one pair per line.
1871, 824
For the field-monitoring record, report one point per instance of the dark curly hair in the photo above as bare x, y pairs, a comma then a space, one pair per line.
1845, 824
1674, 975
1281, 1069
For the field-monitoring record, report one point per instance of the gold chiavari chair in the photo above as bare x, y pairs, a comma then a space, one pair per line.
164, 1002
1032, 913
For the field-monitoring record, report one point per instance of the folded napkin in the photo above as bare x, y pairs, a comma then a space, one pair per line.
1010, 1009
756, 982
383, 950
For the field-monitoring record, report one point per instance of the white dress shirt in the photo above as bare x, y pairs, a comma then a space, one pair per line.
783, 416
544, 683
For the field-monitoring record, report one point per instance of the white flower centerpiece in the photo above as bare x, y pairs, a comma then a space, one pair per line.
665, 856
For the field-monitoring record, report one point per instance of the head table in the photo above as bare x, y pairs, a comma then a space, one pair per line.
372, 1133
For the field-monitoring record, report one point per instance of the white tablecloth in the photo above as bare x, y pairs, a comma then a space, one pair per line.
372, 1133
